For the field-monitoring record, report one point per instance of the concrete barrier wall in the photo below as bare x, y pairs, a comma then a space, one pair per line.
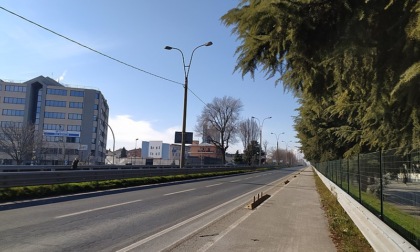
28, 178
380, 236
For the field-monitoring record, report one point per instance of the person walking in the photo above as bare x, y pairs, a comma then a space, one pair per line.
75, 163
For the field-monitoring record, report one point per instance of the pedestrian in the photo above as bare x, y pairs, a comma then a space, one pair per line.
75, 163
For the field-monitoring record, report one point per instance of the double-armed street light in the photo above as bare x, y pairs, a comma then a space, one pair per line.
260, 126
277, 149
184, 117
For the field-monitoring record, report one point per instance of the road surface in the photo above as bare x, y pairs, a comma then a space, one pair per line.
146, 218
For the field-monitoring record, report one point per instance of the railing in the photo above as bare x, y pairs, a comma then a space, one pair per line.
386, 183
62, 174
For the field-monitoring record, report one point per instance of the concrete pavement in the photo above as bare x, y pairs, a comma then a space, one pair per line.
290, 220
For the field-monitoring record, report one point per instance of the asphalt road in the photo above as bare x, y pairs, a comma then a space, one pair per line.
146, 218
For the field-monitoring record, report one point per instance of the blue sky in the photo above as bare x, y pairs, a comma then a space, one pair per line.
141, 105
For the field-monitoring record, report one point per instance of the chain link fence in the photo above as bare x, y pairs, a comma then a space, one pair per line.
387, 183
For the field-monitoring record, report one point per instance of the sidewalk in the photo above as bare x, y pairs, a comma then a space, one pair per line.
290, 220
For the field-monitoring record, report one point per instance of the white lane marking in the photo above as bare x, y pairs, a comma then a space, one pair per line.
96, 209
214, 185
224, 232
179, 192
233, 181
147, 239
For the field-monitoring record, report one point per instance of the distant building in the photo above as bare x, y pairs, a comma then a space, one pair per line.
204, 150
210, 133
206, 153
155, 150
175, 152
73, 120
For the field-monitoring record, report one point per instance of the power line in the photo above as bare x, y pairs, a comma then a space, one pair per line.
89, 48
98, 52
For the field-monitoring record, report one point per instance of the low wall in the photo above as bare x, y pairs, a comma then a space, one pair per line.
380, 236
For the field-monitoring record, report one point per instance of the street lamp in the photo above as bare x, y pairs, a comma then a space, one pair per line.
135, 152
113, 144
277, 149
260, 126
184, 116
286, 149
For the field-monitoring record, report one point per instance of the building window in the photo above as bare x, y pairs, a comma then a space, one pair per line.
52, 127
54, 91
57, 115
75, 104
6, 124
74, 116
74, 127
95, 106
14, 100
53, 103
73, 140
13, 112
12, 88
77, 93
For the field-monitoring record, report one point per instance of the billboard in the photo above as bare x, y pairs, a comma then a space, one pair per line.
188, 137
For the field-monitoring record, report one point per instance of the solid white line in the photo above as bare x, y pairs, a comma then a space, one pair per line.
96, 209
179, 192
145, 240
209, 244
214, 185
225, 232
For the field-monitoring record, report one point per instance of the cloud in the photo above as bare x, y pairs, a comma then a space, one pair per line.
61, 78
127, 130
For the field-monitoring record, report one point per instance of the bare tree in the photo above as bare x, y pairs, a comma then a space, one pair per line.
248, 132
265, 144
18, 141
218, 122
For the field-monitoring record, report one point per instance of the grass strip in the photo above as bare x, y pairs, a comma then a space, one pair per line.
345, 234
41, 191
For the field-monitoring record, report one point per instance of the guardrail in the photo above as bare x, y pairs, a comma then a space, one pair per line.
25, 168
47, 175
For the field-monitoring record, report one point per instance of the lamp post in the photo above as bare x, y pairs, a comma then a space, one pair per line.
260, 126
113, 143
277, 149
135, 152
286, 149
184, 117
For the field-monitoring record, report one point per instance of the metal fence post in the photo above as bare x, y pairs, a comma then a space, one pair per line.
382, 185
360, 178
348, 176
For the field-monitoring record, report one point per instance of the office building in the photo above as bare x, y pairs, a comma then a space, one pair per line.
73, 122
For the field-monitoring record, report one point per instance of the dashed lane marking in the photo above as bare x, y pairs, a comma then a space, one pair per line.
192, 189
96, 209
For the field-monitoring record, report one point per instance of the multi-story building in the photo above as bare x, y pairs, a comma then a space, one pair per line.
73, 121
155, 150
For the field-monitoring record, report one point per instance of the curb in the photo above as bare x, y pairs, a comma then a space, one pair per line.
260, 199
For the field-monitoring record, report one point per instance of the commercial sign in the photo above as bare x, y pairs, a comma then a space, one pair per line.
63, 133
